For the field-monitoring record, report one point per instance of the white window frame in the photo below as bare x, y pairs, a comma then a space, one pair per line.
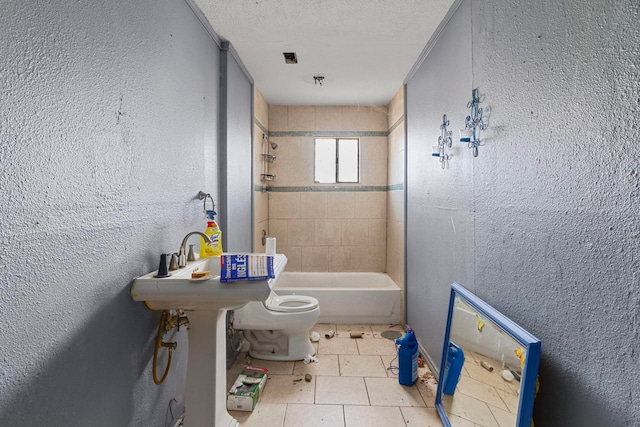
336, 171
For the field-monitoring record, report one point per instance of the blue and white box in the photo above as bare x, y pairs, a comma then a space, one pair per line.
246, 267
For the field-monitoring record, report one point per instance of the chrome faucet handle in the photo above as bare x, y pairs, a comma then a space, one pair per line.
182, 259
173, 264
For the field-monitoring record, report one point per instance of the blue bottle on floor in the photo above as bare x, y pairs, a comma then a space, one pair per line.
453, 368
408, 359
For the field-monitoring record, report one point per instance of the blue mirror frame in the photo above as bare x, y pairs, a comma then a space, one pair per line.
528, 381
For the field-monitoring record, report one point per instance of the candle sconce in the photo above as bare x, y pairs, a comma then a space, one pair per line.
473, 124
444, 142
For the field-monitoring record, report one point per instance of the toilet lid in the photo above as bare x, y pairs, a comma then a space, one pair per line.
292, 303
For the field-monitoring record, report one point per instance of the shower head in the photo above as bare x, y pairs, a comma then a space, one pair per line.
272, 144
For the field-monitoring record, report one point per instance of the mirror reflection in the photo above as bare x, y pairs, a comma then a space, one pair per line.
483, 369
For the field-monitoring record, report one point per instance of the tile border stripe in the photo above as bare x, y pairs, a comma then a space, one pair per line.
261, 126
323, 189
327, 134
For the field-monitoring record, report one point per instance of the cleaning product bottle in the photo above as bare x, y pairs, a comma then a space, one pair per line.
452, 368
215, 234
408, 359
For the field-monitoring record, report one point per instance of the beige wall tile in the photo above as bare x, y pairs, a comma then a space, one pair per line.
260, 206
277, 118
291, 173
371, 204
371, 258
341, 205
395, 267
374, 147
379, 118
300, 232
260, 108
314, 258
355, 232
396, 107
396, 140
395, 236
313, 205
395, 208
373, 171
288, 148
293, 255
356, 118
328, 232
304, 173
307, 148
377, 231
329, 118
284, 205
395, 170
341, 258
278, 229
301, 117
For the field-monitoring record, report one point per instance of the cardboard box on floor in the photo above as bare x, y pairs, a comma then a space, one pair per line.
246, 390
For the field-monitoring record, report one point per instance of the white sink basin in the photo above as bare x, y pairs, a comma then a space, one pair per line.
205, 302
180, 291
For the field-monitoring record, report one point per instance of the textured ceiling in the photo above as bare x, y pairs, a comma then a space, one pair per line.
363, 48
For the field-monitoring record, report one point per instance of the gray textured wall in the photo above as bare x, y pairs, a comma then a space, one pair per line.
108, 111
549, 209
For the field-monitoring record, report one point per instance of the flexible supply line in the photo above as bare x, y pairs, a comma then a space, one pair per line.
159, 343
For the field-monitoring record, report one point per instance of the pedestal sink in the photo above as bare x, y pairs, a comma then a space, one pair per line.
205, 302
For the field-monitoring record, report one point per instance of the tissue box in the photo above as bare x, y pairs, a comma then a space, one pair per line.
246, 390
246, 267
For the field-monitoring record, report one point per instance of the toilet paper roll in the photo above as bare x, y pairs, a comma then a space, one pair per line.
270, 247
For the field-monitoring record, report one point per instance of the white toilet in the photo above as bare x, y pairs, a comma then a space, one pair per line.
278, 328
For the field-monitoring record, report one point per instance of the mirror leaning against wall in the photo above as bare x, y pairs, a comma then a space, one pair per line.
489, 369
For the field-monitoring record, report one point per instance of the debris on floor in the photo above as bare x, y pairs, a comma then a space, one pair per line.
309, 358
355, 334
428, 376
486, 366
247, 389
329, 335
420, 362
314, 337
307, 378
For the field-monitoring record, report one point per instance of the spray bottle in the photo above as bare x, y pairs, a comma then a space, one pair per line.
407, 359
215, 234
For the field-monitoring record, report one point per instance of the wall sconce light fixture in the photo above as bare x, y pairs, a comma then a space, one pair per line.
473, 124
444, 141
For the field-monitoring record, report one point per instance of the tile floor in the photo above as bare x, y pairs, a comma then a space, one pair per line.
482, 396
350, 387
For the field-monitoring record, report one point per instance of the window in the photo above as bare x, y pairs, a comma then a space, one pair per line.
337, 160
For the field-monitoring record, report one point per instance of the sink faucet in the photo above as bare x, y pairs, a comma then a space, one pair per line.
182, 259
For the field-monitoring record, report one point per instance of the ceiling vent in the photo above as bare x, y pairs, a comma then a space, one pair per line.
290, 57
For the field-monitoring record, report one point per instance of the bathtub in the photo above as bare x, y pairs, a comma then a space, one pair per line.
360, 298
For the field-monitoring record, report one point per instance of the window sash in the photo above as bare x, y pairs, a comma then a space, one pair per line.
337, 160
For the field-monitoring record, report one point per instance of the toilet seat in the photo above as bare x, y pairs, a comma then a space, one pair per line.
291, 303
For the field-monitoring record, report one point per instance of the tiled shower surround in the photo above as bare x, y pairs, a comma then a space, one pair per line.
333, 227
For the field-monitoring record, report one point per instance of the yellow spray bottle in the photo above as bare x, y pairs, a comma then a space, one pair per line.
215, 234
